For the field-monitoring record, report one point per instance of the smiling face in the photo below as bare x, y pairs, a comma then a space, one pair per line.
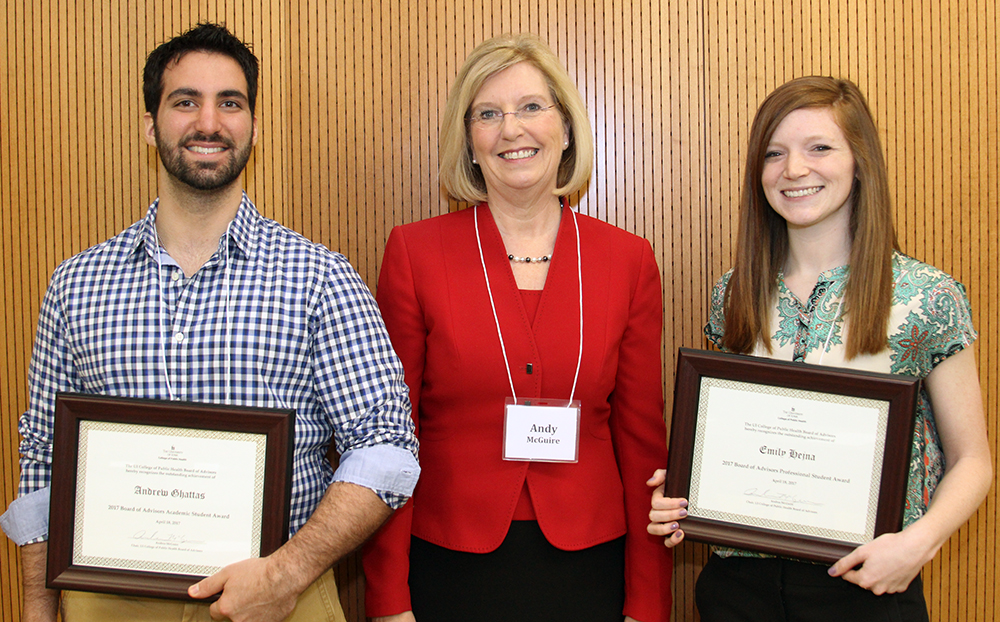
204, 130
517, 156
809, 170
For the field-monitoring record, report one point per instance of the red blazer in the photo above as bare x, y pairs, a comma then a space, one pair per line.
433, 297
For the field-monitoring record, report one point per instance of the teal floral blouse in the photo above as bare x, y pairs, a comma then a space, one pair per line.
930, 320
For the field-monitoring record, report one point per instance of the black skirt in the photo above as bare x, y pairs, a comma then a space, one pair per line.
525, 579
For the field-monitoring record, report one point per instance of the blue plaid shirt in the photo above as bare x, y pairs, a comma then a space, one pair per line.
271, 320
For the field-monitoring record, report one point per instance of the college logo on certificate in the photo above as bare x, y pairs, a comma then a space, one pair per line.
789, 458
150, 496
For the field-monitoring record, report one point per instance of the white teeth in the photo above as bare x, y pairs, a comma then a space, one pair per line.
518, 155
206, 149
792, 194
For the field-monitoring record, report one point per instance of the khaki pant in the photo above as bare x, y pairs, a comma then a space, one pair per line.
318, 603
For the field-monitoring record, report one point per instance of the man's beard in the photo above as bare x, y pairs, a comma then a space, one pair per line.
206, 175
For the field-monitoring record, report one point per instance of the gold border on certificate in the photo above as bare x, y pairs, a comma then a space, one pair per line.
874, 456
844, 494
179, 489
259, 443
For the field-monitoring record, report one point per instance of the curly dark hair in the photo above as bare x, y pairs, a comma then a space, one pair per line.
204, 37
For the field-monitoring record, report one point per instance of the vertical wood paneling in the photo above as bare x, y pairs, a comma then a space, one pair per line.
350, 102
12, 385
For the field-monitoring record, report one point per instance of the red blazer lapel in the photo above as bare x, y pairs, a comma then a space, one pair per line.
518, 334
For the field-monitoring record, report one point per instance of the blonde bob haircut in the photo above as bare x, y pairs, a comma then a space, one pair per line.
463, 180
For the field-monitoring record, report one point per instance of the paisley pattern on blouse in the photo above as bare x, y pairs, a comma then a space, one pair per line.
821, 312
930, 321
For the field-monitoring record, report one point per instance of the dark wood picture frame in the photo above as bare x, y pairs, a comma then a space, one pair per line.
901, 392
278, 426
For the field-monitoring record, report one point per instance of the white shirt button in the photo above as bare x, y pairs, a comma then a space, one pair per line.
178, 337
176, 276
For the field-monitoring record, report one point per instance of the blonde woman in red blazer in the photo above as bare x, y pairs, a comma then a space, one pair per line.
484, 538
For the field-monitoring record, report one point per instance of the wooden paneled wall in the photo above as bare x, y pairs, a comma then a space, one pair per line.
350, 100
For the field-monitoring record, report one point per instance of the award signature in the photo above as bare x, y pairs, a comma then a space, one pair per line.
162, 538
780, 497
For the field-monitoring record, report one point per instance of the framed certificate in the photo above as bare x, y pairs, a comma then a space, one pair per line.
788, 458
151, 496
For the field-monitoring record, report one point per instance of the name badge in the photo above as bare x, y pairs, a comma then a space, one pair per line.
541, 430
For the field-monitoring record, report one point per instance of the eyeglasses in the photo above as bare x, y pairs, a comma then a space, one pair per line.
494, 118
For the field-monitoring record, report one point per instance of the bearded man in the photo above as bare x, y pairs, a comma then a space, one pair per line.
206, 301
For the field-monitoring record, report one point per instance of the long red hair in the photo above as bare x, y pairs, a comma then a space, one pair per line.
762, 242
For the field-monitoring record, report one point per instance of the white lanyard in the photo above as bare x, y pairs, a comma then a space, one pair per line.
163, 316
833, 325
579, 277
837, 316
